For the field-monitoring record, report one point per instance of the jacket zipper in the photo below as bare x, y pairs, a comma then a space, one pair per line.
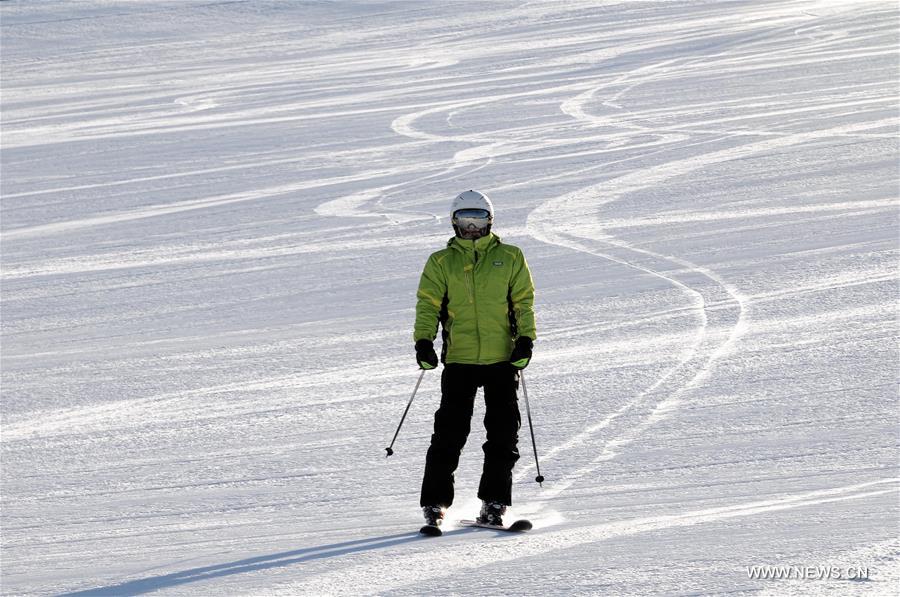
475, 304
470, 283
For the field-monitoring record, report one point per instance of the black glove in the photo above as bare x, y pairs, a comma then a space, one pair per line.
521, 354
425, 354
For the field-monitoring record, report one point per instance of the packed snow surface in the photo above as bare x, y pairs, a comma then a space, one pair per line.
215, 214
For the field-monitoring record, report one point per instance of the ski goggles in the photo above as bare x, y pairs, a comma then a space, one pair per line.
471, 219
472, 224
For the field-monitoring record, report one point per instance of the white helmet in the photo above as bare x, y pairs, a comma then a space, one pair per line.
472, 214
472, 200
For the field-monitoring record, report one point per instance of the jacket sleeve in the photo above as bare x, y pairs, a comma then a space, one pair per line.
521, 294
430, 300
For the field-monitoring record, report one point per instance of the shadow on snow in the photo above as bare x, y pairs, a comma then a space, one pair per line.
276, 560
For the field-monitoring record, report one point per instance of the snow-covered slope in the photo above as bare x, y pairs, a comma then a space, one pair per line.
214, 216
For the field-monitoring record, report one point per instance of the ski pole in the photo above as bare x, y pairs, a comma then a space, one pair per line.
539, 478
390, 449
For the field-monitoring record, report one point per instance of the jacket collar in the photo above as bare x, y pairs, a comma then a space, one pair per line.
480, 245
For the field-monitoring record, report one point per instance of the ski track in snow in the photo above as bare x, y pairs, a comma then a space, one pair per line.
555, 216
565, 124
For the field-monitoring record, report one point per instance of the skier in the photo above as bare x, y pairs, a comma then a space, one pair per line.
481, 292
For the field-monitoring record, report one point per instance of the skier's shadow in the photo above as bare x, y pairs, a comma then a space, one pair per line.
276, 560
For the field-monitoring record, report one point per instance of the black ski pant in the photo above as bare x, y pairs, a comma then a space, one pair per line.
452, 423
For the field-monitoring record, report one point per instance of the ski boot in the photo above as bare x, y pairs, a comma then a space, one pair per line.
434, 516
491, 513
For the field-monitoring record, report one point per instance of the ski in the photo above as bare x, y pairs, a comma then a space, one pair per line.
431, 530
519, 526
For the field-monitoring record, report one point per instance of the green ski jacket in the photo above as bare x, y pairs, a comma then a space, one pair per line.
482, 294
